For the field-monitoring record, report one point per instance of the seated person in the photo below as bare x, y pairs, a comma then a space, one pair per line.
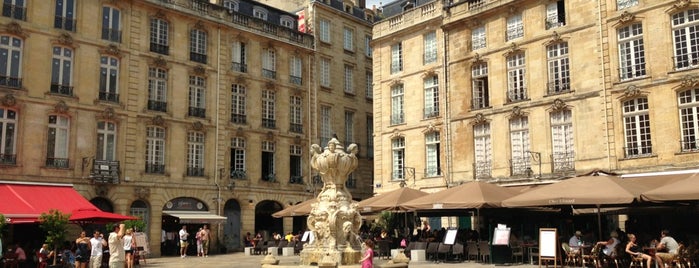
666, 248
575, 242
45, 254
609, 247
635, 250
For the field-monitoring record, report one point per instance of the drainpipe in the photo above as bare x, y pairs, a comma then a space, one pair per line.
604, 83
447, 114
217, 172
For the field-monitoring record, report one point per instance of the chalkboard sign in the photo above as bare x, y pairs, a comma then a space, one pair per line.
141, 240
547, 245
450, 237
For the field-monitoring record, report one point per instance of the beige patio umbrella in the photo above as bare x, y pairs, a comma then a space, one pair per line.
685, 189
300, 209
474, 194
594, 191
390, 201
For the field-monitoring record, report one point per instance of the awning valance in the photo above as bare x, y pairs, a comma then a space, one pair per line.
195, 216
23, 202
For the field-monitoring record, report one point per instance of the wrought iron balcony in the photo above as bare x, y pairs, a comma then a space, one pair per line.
108, 96
269, 123
563, 162
431, 113
520, 166
517, 95
105, 171
238, 118
196, 57
160, 106
295, 80
11, 82
433, 171
269, 177
238, 174
110, 34
66, 90
195, 171
558, 87
269, 74
57, 162
161, 49
296, 128
8, 159
155, 168
239, 67
637, 151
296, 180
632, 71
14, 11
65, 23
482, 170
197, 112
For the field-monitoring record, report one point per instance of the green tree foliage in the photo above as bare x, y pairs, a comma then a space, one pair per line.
54, 223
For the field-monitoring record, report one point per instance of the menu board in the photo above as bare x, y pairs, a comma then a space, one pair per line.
450, 237
501, 237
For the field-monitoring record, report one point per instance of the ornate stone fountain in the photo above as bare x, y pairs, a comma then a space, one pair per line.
334, 220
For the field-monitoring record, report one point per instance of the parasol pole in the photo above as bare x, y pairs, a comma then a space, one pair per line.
599, 222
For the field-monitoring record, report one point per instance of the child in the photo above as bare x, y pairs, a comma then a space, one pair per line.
368, 260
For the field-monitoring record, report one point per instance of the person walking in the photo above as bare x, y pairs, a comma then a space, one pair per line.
200, 251
129, 247
368, 259
116, 247
205, 239
97, 243
183, 241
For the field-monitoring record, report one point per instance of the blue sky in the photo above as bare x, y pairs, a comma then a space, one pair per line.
378, 3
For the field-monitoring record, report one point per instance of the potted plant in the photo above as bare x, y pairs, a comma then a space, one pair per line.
54, 223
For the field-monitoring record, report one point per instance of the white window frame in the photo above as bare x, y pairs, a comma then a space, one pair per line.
515, 27
268, 104
8, 133
58, 136
260, 13
197, 41
396, 57
159, 31
519, 145
196, 144
624, 4
238, 100
483, 151
106, 141
685, 35
111, 24
155, 145
239, 56
109, 75
269, 59
432, 154
688, 104
369, 85
348, 39
325, 124
430, 48
11, 59
558, 68
480, 87
237, 154
349, 79
349, 127
398, 156
397, 99
637, 132
562, 140
231, 5
325, 72
324, 30
286, 21
632, 61
431, 90
296, 70
157, 84
478, 38
67, 13
552, 16
62, 66
197, 92
516, 78
367, 46
295, 110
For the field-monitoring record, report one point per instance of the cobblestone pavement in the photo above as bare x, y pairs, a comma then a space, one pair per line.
239, 259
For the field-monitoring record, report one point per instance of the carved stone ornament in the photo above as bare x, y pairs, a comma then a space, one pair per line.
240, 79
688, 81
555, 37
108, 113
477, 57
112, 49
15, 28
558, 105
141, 192
239, 132
479, 119
269, 85
429, 73
160, 62
101, 190
8, 100
297, 140
631, 91
158, 121
198, 126
517, 112
396, 133
159, 14
65, 39
270, 135
395, 82
199, 70
430, 128
61, 107
626, 17
199, 25
681, 4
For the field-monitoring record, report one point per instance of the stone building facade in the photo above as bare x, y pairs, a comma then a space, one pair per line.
180, 112
524, 91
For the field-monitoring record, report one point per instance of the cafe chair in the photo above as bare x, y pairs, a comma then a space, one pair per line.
517, 253
682, 257
636, 261
431, 250
444, 250
472, 250
571, 257
457, 251
484, 250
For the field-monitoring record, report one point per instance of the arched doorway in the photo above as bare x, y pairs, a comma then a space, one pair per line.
103, 204
231, 230
140, 209
264, 222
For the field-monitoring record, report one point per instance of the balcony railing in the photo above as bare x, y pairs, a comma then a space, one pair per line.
161, 49
62, 89
269, 123
110, 34
14, 11
296, 180
563, 162
239, 67
295, 80
11, 82
558, 87
638, 151
197, 57
65, 23
296, 128
155, 168
397, 119
105, 171
269, 74
269, 177
57, 162
160, 106
433, 171
197, 112
516, 95
430, 113
482, 170
689, 145
238, 119
632, 71
8, 159
687, 61
520, 166
108, 96
238, 174
195, 171
480, 103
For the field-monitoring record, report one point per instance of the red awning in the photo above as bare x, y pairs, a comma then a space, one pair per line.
24, 202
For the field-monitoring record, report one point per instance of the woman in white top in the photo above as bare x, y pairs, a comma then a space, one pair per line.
129, 246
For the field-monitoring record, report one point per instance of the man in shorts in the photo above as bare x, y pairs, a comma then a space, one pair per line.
205, 238
183, 241
666, 248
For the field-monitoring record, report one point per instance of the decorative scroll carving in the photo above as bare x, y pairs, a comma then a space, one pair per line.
631, 91
101, 190
16, 29
65, 39
688, 81
558, 105
517, 112
479, 119
626, 17
108, 113
199, 26
112, 49
199, 70
681, 4
158, 121
8, 100
61, 107
159, 62
141, 192
198, 126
